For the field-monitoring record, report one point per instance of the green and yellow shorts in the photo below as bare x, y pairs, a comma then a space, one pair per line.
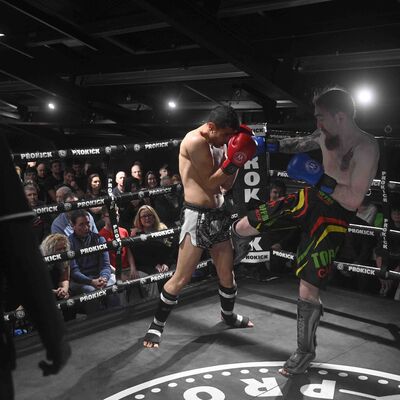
323, 222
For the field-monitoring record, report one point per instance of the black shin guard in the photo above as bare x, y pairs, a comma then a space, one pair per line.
165, 306
308, 316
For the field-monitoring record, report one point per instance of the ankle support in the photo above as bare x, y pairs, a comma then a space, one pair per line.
165, 306
227, 298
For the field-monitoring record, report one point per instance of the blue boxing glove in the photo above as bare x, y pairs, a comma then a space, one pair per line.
303, 168
272, 145
266, 145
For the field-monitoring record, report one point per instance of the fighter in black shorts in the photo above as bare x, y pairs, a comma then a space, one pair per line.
323, 221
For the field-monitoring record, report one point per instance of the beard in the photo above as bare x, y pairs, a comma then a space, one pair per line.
332, 142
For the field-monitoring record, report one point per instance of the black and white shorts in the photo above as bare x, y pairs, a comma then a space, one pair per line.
206, 226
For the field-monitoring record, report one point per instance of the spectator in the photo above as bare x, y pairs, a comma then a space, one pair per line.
41, 179
137, 172
92, 271
62, 224
176, 178
120, 178
128, 209
54, 180
165, 171
127, 259
94, 191
169, 205
30, 175
80, 177
62, 192
70, 181
59, 270
150, 180
41, 223
156, 255
277, 190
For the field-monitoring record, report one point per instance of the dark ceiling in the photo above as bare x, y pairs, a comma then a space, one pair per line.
111, 66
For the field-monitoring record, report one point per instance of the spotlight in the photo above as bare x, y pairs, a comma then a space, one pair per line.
171, 104
365, 96
51, 106
2, 34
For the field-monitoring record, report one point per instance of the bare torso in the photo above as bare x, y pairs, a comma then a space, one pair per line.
353, 164
194, 174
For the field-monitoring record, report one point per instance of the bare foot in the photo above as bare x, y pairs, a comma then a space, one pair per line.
150, 345
285, 373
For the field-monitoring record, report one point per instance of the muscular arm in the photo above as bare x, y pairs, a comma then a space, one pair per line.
351, 196
198, 153
300, 144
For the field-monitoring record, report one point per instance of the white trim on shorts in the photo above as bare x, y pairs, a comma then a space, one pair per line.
189, 226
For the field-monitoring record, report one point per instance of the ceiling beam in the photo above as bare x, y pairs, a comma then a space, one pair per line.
55, 23
350, 61
211, 34
38, 77
166, 75
263, 6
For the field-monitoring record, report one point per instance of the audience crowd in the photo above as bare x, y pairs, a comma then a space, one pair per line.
55, 182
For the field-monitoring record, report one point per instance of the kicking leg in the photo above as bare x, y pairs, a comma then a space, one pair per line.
222, 256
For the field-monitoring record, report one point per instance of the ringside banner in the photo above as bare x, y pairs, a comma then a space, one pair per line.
250, 189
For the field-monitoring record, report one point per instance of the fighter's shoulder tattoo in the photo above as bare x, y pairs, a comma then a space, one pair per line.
300, 144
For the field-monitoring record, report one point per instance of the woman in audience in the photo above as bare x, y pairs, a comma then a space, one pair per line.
94, 191
155, 255
150, 180
59, 270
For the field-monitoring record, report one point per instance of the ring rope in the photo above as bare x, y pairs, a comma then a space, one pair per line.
96, 151
106, 200
118, 287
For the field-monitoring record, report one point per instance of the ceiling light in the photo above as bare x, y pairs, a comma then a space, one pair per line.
365, 96
2, 34
51, 106
171, 104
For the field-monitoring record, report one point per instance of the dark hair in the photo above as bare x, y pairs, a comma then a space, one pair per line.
167, 167
129, 182
224, 117
77, 214
147, 175
280, 185
334, 100
30, 170
138, 163
69, 171
89, 189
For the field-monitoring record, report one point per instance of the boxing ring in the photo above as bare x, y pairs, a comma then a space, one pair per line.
200, 357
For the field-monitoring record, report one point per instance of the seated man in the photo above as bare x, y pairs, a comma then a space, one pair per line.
62, 224
92, 271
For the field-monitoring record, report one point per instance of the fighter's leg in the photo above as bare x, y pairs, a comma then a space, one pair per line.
242, 234
309, 312
188, 258
222, 255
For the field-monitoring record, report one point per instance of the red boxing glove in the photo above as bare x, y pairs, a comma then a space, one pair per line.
241, 148
245, 129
